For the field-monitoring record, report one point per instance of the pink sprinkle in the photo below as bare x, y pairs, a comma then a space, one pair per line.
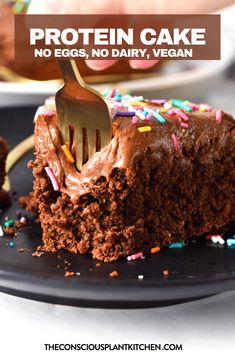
194, 106
112, 93
208, 108
134, 120
208, 237
181, 114
149, 116
158, 101
175, 142
218, 116
172, 111
52, 178
48, 113
135, 256
184, 125
117, 104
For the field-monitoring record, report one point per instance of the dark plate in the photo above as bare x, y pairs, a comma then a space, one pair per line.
196, 271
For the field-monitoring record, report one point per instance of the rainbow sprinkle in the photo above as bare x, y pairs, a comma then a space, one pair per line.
144, 128
149, 116
230, 242
181, 114
218, 116
135, 256
135, 120
124, 113
179, 103
177, 245
52, 178
184, 125
158, 101
68, 153
217, 239
175, 142
112, 93
156, 115
155, 249
9, 223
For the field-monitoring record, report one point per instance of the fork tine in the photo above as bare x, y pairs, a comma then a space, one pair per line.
78, 141
77, 104
63, 120
104, 138
91, 143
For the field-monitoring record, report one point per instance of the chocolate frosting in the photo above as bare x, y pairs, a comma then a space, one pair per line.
127, 144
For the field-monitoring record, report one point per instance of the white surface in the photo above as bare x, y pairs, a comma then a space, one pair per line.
202, 326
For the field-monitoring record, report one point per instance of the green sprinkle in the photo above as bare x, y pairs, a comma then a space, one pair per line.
179, 103
106, 93
18, 7
127, 96
9, 223
11, 244
177, 245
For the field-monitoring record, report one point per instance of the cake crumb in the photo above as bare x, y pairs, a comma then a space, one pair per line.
37, 253
21, 250
69, 274
9, 231
18, 224
114, 274
98, 265
165, 273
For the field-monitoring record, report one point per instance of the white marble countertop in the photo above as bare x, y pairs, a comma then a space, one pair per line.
202, 326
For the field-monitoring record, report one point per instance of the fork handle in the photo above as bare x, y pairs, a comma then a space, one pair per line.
70, 71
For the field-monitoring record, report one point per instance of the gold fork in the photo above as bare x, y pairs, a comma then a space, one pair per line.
84, 119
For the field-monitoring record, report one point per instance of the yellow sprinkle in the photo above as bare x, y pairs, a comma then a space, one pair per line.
163, 110
68, 153
202, 108
154, 250
141, 104
144, 128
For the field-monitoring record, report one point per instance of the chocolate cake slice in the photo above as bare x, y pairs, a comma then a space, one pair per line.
4, 198
167, 175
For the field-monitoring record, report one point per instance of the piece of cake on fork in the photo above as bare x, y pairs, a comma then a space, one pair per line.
167, 175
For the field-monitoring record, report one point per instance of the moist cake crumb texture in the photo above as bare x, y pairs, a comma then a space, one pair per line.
167, 175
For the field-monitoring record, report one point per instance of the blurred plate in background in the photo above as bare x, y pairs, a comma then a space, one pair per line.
174, 78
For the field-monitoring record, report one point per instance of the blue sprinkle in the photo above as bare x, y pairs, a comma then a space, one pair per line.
127, 96
156, 115
231, 242
177, 245
159, 117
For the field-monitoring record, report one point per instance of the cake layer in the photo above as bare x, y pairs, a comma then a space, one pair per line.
163, 179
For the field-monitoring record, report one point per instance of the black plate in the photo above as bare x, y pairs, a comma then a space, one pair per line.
196, 271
